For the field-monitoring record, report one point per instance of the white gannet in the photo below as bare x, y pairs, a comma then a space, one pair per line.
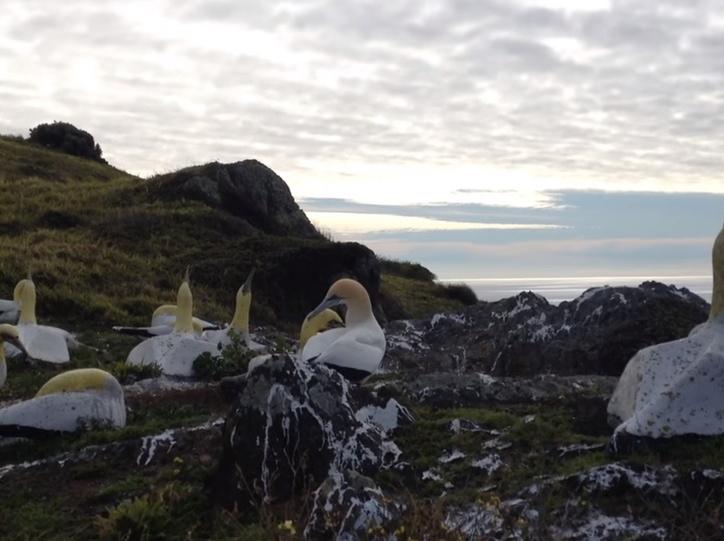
174, 353
677, 387
163, 321
73, 400
42, 342
9, 334
357, 349
239, 323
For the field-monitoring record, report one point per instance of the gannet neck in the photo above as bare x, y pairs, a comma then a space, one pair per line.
318, 323
184, 309
240, 321
26, 299
717, 297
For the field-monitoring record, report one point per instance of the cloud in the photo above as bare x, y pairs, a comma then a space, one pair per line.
337, 94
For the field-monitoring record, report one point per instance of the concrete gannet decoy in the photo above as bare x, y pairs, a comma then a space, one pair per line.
677, 387
239, 325
71, 401
8, 334
174, 353
357, 349
163, 321
325, 320
42, 342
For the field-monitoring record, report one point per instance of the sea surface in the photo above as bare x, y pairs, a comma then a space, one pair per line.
561, 289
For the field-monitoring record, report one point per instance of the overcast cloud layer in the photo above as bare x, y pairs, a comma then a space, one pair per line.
484, 112
466, 93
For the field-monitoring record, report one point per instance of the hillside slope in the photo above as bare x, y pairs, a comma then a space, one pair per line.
107, 247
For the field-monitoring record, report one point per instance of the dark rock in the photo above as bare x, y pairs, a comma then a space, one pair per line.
596, 333
292, 425
247, 189
453, 390
347, 506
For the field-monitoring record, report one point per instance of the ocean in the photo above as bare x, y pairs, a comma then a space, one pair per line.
561, 289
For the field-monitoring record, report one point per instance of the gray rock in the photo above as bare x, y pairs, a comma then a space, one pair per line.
596, 333
292, 425
247, 189
347, 506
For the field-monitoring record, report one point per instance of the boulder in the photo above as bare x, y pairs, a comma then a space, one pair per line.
347, 506
247, 189
291, 427
596, 333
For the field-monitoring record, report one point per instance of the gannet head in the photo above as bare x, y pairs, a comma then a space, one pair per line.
353, 295
184, 307
9, 334
240, 321
717, 257
82, 379
324, 320
25, 296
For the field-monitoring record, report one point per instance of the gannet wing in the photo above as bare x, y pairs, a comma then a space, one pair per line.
320, 342
156, 330
44, 343
9, 311
354, 359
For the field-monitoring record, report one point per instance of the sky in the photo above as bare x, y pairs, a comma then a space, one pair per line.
483, 138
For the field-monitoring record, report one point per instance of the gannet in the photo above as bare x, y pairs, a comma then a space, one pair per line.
174, 353
325, 320
163, 321
42, 342
73, 400
677, 387
8, 333
357, 349
240, 322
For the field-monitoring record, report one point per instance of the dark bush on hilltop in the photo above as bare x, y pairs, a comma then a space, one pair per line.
461, 292
67, 138
406, 269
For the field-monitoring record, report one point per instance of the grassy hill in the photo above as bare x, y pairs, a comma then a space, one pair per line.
105, 248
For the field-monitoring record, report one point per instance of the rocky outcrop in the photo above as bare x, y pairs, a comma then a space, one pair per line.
596, 333
247, 189
348, 506
293, 425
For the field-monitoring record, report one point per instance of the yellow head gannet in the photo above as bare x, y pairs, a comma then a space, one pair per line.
240, 322
42, 342
174, 352
325, 320
73, 400
8, 334
675, 388
357, 349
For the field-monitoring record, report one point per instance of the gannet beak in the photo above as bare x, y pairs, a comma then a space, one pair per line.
326, 303
247, 283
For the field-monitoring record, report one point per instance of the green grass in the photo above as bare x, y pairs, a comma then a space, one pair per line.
418, 298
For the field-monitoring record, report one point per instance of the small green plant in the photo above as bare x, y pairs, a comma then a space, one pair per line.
231, 361
146, 517
131, 373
